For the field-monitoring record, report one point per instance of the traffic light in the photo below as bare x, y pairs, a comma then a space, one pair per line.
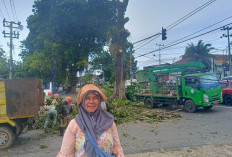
164, 34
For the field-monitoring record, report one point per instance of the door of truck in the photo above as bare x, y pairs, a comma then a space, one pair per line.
191, 89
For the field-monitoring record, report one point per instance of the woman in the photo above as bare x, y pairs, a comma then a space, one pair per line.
98, 122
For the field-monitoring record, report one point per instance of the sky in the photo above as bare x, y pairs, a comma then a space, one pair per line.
147, 17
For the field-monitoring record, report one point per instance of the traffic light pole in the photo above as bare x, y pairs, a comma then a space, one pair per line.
159, 52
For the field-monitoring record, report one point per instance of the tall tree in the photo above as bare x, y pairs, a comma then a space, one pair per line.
118, 35
67, 31
199, 52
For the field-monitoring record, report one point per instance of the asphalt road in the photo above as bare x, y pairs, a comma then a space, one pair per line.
211, 127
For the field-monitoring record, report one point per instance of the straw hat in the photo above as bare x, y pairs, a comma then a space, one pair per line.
89, 87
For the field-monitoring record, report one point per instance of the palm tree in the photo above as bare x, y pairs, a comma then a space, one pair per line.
199, 52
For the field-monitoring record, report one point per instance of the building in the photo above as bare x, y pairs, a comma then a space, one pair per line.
220, 65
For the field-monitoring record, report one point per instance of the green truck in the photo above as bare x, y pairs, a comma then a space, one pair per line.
180, 84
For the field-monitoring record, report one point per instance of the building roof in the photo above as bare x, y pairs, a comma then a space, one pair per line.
219, 57
183, 60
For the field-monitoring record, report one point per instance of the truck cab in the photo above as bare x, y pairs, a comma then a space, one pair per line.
201, 89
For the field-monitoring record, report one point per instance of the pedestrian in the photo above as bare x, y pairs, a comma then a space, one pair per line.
51, 116
92, 126
65, 110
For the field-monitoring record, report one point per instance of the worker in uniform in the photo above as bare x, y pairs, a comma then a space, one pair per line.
65, 111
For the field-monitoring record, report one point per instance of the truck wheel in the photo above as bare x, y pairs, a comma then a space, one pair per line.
148, 103
228, 100
208, 107
190, 106
6, 137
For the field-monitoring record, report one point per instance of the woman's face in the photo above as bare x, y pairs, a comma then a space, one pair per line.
91, 102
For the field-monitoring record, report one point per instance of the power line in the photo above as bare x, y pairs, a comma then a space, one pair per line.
183, 40
177, 22
12, 10
200, 30
1, 14
6, 9
190, 14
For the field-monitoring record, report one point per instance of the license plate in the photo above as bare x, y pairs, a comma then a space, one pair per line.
215, 102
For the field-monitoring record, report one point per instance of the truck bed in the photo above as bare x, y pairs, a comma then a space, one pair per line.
23, 97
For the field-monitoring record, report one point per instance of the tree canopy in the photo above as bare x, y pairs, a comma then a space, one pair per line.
63, 33
199, 52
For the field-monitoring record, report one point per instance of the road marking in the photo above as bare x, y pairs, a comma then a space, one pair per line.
224, 107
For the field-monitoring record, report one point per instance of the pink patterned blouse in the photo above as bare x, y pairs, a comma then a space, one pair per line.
74, 139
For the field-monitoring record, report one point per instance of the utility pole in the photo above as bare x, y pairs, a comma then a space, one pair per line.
228, 37
159, 52
11, 35
131, 65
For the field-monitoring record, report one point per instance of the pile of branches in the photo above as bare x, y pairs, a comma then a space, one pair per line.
126, 111
122, 110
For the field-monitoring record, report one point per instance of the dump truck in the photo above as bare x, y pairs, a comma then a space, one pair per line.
20, 102
180, 84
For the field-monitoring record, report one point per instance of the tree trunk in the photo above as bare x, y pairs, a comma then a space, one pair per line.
119, 81
119, 35
73, 80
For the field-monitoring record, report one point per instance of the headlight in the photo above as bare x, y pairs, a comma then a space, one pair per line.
206, 98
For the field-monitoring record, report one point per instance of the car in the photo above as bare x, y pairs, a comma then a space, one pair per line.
227, 92
227, 78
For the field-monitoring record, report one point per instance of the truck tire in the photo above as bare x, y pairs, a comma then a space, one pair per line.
6, 137
228, 100
190, 106
148, 103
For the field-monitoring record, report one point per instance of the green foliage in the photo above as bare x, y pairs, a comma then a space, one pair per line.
126, 111
108, 90
103, 61
37, 65
199, 52
87, 78
66, 32
3, 64
131, 90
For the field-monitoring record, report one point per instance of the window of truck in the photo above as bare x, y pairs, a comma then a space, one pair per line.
209, 81
192, 82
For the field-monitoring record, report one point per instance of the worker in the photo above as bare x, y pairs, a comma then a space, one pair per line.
65, 111
51, 116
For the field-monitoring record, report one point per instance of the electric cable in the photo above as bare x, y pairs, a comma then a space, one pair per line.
6, 9
177, 22
12, 10
15, 10
202, 29
190, 14
1, 14
183, 40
